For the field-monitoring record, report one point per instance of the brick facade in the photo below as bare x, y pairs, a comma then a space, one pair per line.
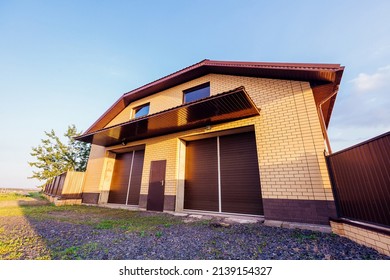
290, 144
370, 238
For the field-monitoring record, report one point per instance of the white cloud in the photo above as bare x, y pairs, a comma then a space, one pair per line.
370, 82
362, 109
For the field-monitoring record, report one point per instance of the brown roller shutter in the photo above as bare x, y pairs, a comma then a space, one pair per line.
136, 177
120, 178
201, 184
240, 179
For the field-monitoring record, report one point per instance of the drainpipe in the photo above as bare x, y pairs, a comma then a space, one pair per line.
323, 124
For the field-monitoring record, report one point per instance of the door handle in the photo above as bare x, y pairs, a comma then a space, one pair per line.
162, 183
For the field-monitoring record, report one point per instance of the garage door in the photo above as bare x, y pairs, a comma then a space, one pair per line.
222, 175
201, 184
126, 179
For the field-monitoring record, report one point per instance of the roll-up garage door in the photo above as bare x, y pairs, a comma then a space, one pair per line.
222, 175
240, 179
126, 178
201, 184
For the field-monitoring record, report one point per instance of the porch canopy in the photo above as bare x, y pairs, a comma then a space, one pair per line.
227, 106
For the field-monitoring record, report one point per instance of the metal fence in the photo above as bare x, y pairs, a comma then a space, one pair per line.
68, 185
361, 181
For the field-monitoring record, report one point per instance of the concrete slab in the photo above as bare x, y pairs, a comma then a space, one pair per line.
207, 218
272, 223
291, 225
178, 214
241, 220
193, 216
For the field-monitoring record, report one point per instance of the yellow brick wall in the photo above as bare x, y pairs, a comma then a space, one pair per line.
106, 176
288, 132
167, 148
160, 101
289, 137
94, 169
378, 241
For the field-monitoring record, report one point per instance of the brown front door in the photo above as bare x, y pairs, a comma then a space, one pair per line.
156, 186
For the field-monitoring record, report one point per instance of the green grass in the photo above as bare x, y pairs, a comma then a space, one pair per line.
135, 222
12, 247
13, 241
11, 196
36, 195
301, 236
15, 196
97, 217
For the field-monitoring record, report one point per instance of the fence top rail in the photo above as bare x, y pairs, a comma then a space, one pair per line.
360, 144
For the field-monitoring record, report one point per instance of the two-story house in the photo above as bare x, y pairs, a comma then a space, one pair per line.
223, 137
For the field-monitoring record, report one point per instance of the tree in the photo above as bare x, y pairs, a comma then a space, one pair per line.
53, 157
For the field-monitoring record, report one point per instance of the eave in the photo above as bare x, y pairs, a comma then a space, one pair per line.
316, 74
228, 106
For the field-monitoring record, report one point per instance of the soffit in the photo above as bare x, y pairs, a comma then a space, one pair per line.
316, 74
228, 106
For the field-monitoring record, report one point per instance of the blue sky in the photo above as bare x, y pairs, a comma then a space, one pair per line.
66, 62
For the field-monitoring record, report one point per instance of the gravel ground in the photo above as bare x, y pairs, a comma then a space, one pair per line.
56, 239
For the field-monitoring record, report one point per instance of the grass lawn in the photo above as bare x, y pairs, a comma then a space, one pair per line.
33, 228
14, 241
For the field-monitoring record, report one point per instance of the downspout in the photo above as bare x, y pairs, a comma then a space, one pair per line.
323, 124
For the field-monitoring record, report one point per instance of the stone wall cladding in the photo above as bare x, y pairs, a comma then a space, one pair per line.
299, 210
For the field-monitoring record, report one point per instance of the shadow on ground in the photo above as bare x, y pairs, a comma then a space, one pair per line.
32, 228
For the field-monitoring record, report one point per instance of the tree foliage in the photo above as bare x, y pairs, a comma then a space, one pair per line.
53, 157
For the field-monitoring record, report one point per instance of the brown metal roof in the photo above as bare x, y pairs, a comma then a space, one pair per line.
223, 107
316, 74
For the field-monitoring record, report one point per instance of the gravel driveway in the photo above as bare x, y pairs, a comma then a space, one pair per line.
80, 233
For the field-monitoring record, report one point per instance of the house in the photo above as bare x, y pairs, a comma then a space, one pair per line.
220, 136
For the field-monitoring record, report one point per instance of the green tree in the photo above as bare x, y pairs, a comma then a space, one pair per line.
53, 157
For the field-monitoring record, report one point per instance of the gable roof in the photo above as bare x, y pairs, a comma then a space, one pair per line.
325, 77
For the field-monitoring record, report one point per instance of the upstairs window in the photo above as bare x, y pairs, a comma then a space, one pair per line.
141, 111
197, 92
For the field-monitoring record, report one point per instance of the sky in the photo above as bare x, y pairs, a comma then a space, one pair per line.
66, 62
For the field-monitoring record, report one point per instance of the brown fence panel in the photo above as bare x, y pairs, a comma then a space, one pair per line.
73, 185
68, 185
55, 185
61, 182
361, 181
53, 188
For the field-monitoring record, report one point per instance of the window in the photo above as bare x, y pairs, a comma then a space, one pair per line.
197, 93
141, 111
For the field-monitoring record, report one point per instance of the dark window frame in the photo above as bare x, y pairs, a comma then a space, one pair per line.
195, 88
138, 108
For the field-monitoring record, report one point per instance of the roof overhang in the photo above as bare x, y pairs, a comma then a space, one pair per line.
228, 106
315, 73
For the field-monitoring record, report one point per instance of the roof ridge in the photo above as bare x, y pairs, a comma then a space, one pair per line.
185, 69
275, 64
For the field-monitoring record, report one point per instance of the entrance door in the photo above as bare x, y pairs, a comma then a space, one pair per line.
156, 186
